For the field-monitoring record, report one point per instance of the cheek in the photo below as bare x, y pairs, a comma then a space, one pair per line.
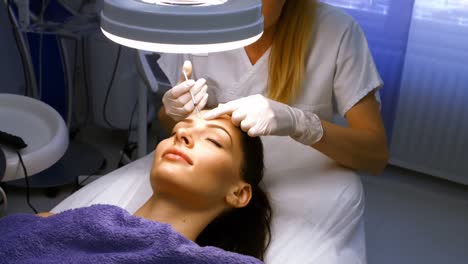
215, 170
160, 148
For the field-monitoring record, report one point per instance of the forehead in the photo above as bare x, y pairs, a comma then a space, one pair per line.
223, 121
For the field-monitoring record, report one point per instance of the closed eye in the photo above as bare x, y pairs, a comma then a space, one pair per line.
216, 143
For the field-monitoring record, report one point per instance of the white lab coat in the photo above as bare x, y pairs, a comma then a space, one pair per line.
340, 71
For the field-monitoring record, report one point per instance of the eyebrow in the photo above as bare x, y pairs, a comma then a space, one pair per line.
190, 121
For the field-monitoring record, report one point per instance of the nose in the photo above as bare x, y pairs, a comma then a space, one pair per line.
184, 138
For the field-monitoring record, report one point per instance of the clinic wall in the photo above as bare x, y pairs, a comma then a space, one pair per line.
431, 126
421, 51
11, 71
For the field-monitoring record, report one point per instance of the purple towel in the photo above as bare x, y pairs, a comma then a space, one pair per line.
101, 234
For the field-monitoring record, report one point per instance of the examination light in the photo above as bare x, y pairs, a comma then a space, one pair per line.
182, 26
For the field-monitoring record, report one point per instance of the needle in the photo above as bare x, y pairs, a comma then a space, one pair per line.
193, 99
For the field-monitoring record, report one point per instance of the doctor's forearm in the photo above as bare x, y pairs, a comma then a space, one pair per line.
354, 148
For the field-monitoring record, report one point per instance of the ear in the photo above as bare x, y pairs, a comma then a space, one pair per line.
239, 196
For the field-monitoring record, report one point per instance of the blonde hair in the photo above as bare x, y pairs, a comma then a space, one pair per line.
289, 50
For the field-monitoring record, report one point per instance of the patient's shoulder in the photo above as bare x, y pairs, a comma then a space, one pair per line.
45, 214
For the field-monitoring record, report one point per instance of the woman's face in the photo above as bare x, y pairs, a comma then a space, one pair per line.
272, 11
200, 163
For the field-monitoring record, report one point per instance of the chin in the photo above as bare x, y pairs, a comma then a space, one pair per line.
165, 177
170, 172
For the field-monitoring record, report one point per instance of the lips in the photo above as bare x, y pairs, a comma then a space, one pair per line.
175, 154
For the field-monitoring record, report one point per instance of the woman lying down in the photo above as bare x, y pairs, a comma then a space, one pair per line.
206, 207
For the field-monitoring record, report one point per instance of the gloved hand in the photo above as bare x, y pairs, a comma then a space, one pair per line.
177, 101
259, 116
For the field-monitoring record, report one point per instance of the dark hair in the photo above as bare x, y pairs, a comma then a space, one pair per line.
244, 230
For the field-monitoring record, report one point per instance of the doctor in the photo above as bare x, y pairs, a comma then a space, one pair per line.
311, 62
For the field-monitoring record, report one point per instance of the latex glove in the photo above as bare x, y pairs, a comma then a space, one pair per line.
259, 116
177, 101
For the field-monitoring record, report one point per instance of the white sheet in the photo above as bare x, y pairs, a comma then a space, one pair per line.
318, 206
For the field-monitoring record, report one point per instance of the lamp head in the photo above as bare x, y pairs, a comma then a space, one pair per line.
183, 26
